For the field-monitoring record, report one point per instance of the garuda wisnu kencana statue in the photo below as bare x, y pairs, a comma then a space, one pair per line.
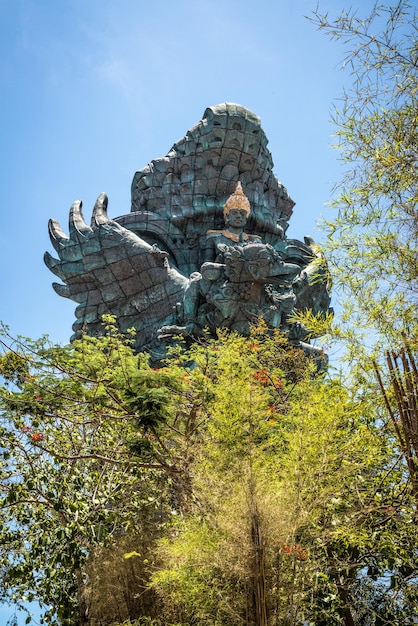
204, 246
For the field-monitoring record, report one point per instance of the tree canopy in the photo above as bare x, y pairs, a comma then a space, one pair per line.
232, 485
371, 245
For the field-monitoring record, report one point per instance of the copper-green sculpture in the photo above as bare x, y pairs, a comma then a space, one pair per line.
204, 245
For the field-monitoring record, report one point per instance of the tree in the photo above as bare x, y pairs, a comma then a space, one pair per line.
233, 485
371, 245
82, 461
297, 498
401, 400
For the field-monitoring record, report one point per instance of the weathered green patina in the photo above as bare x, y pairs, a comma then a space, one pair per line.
204, 245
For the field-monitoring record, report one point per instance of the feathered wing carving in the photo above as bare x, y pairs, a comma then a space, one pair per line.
108, 269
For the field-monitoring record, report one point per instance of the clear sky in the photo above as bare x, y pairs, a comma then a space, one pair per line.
92, 90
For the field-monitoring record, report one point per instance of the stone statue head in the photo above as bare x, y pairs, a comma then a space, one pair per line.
237, 201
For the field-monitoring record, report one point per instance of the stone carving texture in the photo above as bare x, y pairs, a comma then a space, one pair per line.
179, 262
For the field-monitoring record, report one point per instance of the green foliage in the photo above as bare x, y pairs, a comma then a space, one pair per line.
371, 246
69, 481
244, 487
371, 250
13, 367
294, 496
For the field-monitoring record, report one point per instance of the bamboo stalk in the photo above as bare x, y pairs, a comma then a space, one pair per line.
403, 372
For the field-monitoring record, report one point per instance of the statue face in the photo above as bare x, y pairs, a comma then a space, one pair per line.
237, 218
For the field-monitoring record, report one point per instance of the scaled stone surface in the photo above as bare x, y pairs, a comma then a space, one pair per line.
204, 245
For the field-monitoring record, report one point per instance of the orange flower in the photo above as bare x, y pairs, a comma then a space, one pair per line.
37, 437
261, 376
297, 550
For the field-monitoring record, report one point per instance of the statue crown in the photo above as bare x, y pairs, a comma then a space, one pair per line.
237, 200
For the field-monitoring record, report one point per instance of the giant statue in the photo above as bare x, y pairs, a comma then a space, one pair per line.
203, 247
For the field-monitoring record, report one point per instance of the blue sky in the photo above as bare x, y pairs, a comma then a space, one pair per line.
92, 90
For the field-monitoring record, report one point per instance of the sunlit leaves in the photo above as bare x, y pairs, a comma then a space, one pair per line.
69, 480
371, 243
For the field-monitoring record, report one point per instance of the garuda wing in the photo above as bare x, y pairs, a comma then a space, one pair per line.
108, 269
